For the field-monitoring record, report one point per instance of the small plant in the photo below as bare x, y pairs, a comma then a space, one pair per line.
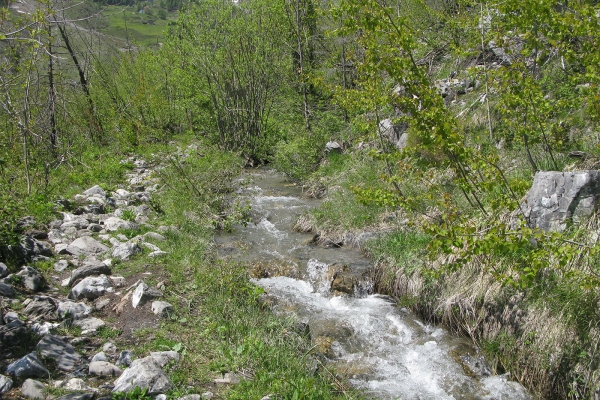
108, 332
136, 394
128, 215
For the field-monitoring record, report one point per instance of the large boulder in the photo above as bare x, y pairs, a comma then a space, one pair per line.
557, 198
41, 306
32, 278
146, 374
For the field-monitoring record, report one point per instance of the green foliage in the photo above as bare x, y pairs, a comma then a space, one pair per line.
136, 393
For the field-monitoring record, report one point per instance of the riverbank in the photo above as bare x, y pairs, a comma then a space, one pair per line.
221, 340
545, 335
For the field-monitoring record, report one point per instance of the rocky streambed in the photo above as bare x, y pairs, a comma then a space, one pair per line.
381, 349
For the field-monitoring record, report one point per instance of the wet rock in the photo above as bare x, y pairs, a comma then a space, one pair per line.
104, 368
90, 288
86, 246
145, 373
343, 282
475, 366
89, 323
162, 308
6, 290
162, 358
32, 278
33, 389
144, 293
72, 310
63, 354
113, 224
5, 384
230, 378
125, 250
41, 306
3, 270
28, 367
125, 358
61, 265
88, 269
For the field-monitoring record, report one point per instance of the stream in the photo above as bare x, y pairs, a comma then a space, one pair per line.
385, 351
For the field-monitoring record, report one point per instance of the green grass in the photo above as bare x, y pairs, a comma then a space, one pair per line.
219, 322
134, 28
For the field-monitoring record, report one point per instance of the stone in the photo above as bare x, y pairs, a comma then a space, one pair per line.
144, 293
343, 282
95, 190
94, 227
76, 384
5, 384
160, 397
43, 328
154, 236
193, 397
32, 278
151, 247
33, 389
28, 367
208, 395
72, 310
157, 253
113, 224
162, 308
32, 247
117, 280
104, 368
230, 378
100, 357
109, 348
86, 246
41, 306
14, 334
101, 303
56, 236
125, 358
122, 193
162, 358
10, 317
77, 396
88, 269
89, 323
61, 265
146, 374
395, 133
125, 250
557, 198
333, 147
3, 270
6, 290
63, 354
91, 288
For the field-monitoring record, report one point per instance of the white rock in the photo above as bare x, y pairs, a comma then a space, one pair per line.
162, 308
33, 389
162, 358
91, 288
103, 368
90, 323
113, 224
109, 348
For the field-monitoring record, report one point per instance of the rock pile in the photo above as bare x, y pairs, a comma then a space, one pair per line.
90, 235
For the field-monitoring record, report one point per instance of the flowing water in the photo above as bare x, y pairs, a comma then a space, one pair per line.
382, 349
